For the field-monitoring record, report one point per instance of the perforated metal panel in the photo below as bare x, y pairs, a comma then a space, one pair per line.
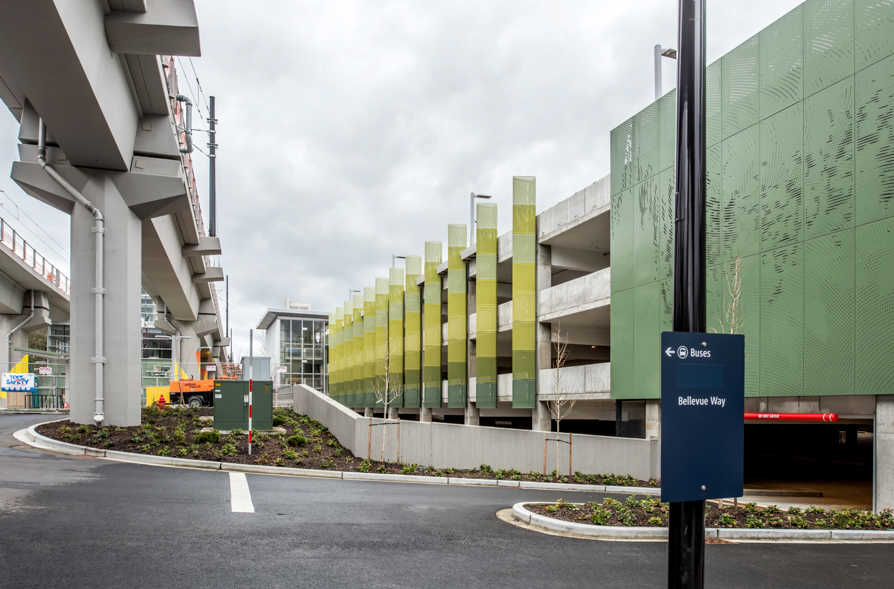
829, 314
622, 240
741, 194
874, 20
782, 321
828, 43
875, 308
713, 198
646, 342
622, 170
875, 142
782, 173
645, 142
740, 95
667, 118
713, 101
829, 160
781, 57
622, 344
750, 314
666, 305
646, 227
666, 203
714, 300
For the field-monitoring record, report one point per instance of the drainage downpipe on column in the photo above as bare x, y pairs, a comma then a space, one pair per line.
15, 329
188, 130
98, 290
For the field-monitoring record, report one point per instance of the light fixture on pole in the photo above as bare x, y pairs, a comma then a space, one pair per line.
394, 260
351, 293
659, 53
472, 215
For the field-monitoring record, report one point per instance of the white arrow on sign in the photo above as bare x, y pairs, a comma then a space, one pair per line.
669, 352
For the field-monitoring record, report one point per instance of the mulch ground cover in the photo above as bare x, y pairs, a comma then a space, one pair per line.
650, 512
176, 431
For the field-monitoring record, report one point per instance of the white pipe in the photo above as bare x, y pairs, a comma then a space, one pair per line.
98, 290
15, 329
188, 130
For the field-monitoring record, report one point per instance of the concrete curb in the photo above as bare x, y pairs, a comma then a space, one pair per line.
31, 437
521, 513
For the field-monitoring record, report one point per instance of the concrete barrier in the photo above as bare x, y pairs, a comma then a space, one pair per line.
446, 445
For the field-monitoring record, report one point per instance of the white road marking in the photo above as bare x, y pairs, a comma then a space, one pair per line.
240, 495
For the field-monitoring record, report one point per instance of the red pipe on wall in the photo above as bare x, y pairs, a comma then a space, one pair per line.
825, 417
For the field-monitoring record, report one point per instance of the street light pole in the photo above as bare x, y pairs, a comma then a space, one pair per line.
472, 216
686, 529
394, 260
659, 53
351, 293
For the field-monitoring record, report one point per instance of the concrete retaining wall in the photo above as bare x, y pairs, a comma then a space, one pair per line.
445, 445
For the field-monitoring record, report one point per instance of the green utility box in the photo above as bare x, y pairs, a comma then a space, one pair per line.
231, 405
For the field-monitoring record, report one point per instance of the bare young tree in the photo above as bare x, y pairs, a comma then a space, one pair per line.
563, 401
733, 314
386, 388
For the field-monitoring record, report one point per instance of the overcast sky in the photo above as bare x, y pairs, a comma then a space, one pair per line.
351, 131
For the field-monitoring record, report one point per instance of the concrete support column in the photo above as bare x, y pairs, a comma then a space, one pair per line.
541, 418
472, 414
393, 413
121, 322
19, 340
884, 453
653, 419
367, 412
425, 414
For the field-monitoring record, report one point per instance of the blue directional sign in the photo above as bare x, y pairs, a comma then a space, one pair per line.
702, 416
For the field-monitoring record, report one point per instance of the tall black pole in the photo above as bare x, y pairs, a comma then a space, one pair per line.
212, 184
686, 536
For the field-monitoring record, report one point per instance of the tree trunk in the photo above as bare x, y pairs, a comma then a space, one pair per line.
558, 429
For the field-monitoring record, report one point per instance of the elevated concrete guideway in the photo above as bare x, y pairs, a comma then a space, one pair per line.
116, 135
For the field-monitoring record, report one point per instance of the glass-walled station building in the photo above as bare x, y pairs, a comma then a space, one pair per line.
297, 345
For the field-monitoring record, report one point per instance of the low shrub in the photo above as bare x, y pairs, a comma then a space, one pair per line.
297, 440
211, 437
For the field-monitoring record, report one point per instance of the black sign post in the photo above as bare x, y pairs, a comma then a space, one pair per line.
686, 534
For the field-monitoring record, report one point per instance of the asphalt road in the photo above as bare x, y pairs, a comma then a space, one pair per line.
87, 522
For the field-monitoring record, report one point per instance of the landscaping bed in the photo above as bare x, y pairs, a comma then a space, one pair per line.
650, 512
176, 432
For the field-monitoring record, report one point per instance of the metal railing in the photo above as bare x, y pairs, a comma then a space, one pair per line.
10, 238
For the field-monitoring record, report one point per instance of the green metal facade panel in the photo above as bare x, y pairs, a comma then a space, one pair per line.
431, 372
874, 308
369, 346
413, 334
740, 88
646, 142
622, 240
486, 307
781, 61
457, 336
781, 178
829, 314
741, 194
828, 43
356, 399
383, 292
396, 335
348, 356
646, 228
875, 141
524, 289
713, 204
646, 341
622, 345
666, 200
782, 321
713, 106
829, 160
873, 22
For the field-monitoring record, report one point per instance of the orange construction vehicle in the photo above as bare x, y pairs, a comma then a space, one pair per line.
195, 393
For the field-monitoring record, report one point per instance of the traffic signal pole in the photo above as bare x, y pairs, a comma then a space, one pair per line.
686, 532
